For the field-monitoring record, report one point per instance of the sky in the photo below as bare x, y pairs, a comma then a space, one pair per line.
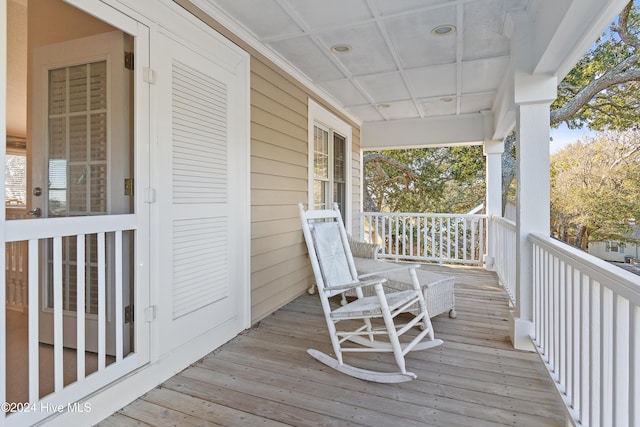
563, 136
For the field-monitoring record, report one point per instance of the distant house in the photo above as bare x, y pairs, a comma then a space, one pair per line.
618, 250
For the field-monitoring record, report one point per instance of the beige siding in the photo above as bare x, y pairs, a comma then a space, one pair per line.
280, 269
278, 182
356, 182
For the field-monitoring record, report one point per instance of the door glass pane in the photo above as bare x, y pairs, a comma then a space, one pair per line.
78, 88
98, 189
98, 85
78, 140
58, 91
99, 136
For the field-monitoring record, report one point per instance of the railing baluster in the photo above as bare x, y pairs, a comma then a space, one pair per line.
634, 366
596, 351
587, 357
118, 291
34, 306
80, 307
102, 342
620, 348
58, 317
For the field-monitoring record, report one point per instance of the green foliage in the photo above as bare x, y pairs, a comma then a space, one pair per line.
616, 107
595, 186
443, 179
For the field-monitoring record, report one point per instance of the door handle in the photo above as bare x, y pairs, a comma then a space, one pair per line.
37, 212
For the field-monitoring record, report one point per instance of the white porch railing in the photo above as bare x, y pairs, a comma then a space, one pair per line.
442, 238
505, 254
107, 263
587, 331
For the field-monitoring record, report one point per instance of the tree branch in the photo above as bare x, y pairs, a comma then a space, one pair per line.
611, 78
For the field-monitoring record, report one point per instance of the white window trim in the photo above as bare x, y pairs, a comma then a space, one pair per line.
319, 114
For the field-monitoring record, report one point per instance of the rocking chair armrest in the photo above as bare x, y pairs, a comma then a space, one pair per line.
389, 270
347, 286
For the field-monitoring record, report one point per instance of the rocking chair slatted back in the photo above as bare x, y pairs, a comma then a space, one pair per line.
335, 266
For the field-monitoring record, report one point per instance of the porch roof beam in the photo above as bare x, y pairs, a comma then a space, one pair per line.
433, 131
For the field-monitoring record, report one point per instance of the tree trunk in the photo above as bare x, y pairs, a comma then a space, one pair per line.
582, 237
508, 168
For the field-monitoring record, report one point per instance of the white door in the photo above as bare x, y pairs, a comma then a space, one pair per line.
80, 159
202, 193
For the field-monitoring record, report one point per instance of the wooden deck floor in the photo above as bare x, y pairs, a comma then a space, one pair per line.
265, 378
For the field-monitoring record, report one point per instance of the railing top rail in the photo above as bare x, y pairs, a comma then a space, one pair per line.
503, 221
45, 228
617, 279
416, 214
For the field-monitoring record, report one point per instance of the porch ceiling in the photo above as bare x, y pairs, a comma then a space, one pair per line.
399, 70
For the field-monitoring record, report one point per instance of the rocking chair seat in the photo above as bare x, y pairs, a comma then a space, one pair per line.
370, 306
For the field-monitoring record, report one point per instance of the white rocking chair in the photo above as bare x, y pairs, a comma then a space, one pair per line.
335, 273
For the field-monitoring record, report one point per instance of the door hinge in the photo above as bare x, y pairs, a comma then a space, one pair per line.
149, 76
128, 60
128, 186
128, 314
150, 313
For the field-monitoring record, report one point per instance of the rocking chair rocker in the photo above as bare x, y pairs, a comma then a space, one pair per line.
375, 316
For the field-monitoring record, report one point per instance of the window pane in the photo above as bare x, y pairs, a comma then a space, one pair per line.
15, 180
320, 194
321, 153
339, 157
339, 196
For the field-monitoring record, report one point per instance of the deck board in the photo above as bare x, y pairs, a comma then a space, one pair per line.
265, 377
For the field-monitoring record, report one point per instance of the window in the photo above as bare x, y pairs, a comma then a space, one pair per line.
329, 158
615, 247
15, 173
329, 179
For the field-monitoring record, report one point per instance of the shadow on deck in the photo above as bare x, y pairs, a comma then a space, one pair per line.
265, 377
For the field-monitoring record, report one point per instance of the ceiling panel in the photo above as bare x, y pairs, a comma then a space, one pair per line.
385, 87
432, 81
387, 7
331, 13
367, 113
485, 75
364, 39
476, 103
264, 18
432, 107
306, 56
345, 91
417, 47
400, 110
483, 29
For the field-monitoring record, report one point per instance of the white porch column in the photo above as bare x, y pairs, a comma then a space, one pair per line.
533, 96
493, 152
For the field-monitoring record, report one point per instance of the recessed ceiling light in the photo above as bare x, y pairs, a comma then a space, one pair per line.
446, 99
341, 48
384, 106
444, 30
